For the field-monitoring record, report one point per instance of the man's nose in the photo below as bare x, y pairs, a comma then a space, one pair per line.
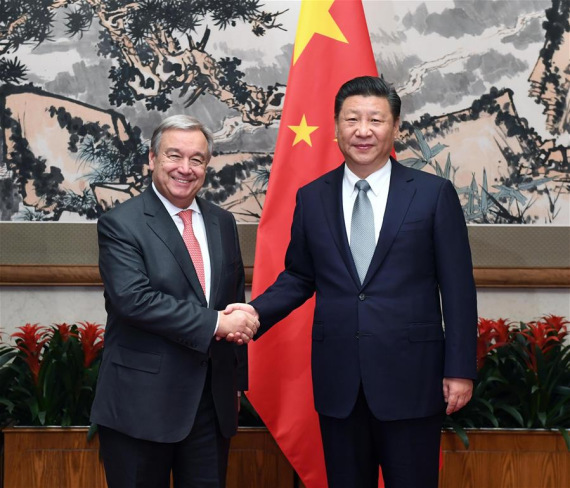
363, 128
186, 166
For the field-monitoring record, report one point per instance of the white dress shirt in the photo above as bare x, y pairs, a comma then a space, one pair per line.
379, 182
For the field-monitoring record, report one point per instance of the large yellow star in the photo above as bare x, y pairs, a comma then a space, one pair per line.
315, 19
303, 131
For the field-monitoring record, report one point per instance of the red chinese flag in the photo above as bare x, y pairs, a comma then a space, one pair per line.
332, 45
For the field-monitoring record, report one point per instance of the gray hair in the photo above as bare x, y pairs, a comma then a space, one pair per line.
183, 122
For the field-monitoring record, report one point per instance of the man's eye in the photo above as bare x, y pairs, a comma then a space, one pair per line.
174, 157
196, 162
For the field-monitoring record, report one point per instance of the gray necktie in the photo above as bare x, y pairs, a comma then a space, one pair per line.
362, 241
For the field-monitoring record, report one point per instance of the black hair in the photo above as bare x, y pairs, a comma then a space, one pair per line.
368, 86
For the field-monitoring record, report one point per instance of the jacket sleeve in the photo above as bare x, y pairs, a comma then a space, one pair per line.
454, 270
240, 351
125, 258
295, 284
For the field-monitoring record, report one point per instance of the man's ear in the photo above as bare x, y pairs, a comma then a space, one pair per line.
151, 159
397, 128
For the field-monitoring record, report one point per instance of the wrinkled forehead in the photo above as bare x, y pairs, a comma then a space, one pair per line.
184, 140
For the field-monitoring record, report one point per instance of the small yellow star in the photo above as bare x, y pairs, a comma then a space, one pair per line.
303, 131
315, 19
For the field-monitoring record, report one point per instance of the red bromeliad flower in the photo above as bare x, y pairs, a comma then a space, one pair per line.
30, 341
491, 335
485, 336
64, 331
557, 324
503, 332
541, 335
91, 338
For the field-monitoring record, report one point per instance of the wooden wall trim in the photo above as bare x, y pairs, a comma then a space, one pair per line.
522, 277
49, 275
82, 275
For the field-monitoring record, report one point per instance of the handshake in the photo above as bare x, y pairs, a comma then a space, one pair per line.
238, 323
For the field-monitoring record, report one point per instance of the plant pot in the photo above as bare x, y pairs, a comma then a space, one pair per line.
505, 458
51, 457
61, 457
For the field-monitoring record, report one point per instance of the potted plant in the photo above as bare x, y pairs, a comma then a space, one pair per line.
47, 385
510, 430
48, 377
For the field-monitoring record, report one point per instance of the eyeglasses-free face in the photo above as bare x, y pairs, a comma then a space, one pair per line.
179, 170
365, 132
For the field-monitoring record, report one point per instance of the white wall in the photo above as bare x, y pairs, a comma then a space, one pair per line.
523, 305
48, 305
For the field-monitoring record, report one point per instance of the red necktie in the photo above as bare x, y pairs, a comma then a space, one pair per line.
193, 246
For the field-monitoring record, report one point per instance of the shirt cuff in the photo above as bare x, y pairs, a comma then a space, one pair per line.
217, 323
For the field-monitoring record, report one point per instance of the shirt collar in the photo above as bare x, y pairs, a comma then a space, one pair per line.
375, 180
173, 209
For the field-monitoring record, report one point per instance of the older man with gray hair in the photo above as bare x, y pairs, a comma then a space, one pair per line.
166, 401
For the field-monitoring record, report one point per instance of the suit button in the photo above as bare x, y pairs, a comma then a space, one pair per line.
362, 297
358, 335
204, 363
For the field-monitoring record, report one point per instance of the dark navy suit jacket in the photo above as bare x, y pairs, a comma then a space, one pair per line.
386, 334
159, 333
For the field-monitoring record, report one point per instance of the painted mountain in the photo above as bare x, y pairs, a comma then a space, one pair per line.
484, 85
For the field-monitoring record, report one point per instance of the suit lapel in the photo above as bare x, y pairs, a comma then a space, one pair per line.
400, 195
160, 222
332, 204
214, 249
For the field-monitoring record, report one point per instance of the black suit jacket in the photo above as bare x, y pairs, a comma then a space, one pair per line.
387, 333
159, 332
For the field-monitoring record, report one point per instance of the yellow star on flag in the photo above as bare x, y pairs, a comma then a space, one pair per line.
303, 131
315, 19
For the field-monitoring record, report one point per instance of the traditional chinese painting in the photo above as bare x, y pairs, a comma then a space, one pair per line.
484, 88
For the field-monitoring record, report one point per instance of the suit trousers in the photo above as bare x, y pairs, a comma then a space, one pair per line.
406, 450
198, 461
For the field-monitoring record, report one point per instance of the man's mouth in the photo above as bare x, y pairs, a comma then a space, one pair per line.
180, 180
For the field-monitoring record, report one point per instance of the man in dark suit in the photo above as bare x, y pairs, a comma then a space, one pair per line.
386, 250
167, 393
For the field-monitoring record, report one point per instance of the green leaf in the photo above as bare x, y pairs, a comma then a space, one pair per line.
9, 405
6, 356
566, 436
513, 412
458, 429
424, 147
491, 418
563, 390
447, 170
92, 431
435, 150
462, 435
438, 170
416, 163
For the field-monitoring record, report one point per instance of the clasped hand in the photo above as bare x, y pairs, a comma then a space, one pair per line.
238, 323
